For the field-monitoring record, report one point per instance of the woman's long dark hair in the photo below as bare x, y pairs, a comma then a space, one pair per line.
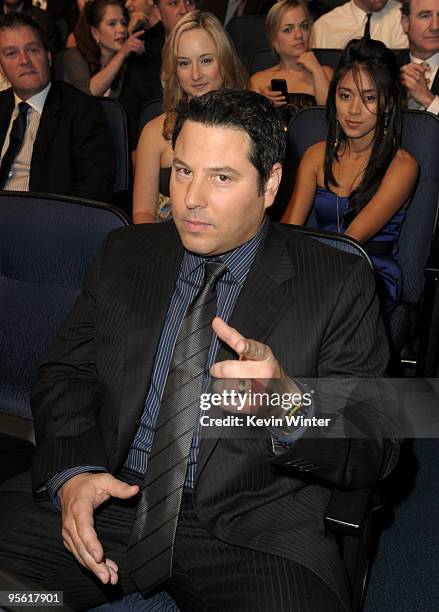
91, 17
375, 59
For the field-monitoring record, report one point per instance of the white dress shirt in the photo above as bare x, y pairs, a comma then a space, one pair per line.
336, 28
433, 62
19, 174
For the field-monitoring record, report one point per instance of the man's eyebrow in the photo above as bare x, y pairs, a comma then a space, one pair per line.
179, 161
223, 169
212, 169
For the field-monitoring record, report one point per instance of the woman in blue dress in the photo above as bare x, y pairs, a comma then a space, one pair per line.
359, 180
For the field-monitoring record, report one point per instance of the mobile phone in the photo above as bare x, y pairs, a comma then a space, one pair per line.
280, 85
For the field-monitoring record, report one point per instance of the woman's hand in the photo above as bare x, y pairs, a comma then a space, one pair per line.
309, 62
275, 97
133, 44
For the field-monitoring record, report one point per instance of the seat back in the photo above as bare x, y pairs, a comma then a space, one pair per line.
46, 246
153, 109
261, 60
248, 35
117, 121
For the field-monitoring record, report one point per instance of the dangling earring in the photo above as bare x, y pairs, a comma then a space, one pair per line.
337, 135
386, 122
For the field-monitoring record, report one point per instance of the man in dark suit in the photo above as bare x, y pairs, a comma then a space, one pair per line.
248, 533
65, 146
236, 8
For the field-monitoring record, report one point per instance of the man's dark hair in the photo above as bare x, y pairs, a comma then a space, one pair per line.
241, 110
405, 7
11, 21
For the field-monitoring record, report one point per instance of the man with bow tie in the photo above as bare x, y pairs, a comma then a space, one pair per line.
420, 21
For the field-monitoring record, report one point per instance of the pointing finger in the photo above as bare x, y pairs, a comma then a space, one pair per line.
230, 336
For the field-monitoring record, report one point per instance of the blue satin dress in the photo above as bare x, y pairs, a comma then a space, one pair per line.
387, 270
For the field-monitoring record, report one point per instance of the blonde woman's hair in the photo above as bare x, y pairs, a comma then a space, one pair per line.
233, 72
275, 16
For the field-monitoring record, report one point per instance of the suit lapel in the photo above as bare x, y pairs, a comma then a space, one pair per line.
435, 84
47, 129
151, 288
262, 302
6, 108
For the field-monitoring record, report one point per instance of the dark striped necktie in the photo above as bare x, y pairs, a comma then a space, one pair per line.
367, 26
152, 537
16, 138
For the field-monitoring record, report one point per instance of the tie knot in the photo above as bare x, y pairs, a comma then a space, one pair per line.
213, 271
23, 107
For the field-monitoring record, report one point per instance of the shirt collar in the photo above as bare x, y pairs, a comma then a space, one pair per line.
37, 101
432, 61
238, 261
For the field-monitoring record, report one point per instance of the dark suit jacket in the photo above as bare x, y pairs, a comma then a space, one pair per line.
73, 151
314, 305
252, 7
141, 82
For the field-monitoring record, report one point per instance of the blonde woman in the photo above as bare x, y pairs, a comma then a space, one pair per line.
288, 29
198, 57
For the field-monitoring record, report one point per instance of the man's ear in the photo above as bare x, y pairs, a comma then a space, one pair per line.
272, 185
49, 58
405, 20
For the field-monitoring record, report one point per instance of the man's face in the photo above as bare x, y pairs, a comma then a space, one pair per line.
24, 60
422, 27
171, 11
371, 6
216, 204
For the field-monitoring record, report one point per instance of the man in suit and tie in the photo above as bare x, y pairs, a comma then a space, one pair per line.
149, 500
53, 138
420, 21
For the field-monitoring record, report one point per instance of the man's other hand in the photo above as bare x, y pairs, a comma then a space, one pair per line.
80, 496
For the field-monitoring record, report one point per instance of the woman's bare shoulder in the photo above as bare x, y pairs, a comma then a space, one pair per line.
316, 152
263, 77
403, 165
153, 132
